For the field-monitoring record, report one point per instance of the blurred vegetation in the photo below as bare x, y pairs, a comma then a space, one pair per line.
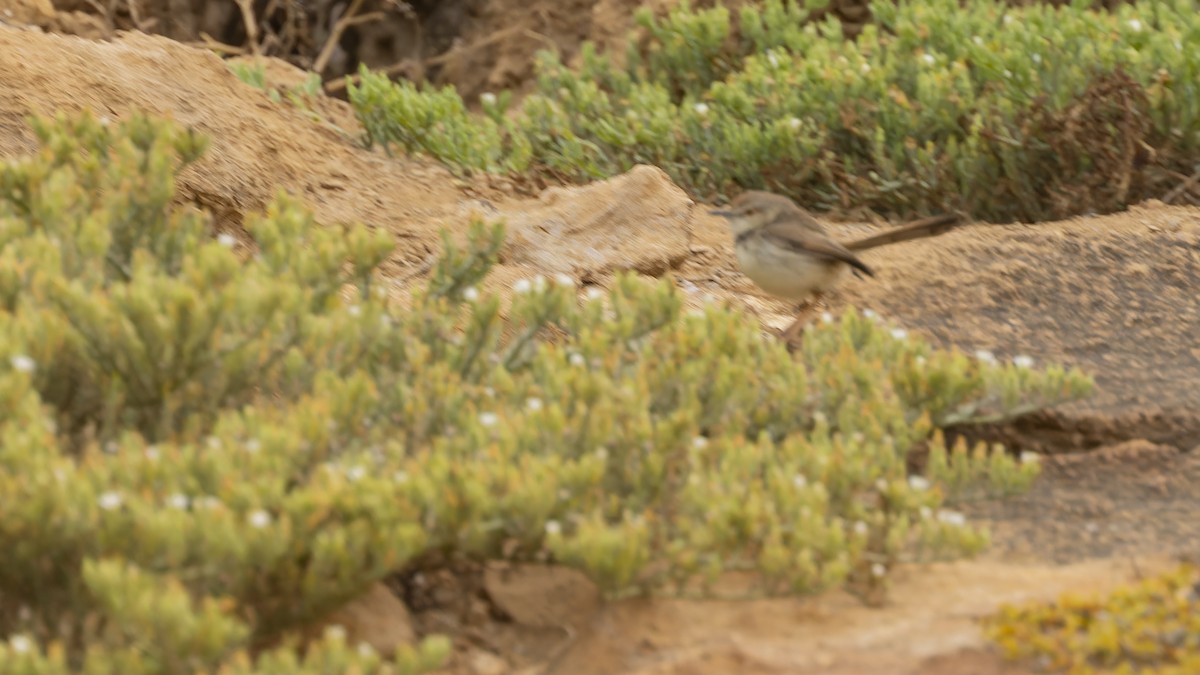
1152, 627
207, 444
997, 111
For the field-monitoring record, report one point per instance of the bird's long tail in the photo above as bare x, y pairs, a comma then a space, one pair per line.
918, 229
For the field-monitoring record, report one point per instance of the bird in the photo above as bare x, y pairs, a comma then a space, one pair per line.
786, 252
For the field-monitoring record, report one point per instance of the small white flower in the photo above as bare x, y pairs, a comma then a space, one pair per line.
365, 650
1135, 25
471, 294
795, 123
985, 356
522, 286
928, 59
951, 517
259, 519
20, 644
871, 314
23, 363
699, 442
701, 109
1023, 361
799, 481
919, 483
878, 570
977, 40
400, 477
772, 59
178, 501
227, 240
110, 500
920, 360
1178, 45
208, 502
214, 443
861, 528
1037, 58
487, 98
252, 445
594, 293
899, 333
564, 280
539, 282
1030, 457
356, 473
602, 454
576, 359
553, 528
1008, 19
826, 317
926, 512
354, 310
335, 632
488, 419
534, 404
1008, 73
865, 68
151, 452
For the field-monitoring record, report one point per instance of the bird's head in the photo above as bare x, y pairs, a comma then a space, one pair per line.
753, 209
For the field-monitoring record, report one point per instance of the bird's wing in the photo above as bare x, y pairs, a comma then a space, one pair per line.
926, 227
801, 239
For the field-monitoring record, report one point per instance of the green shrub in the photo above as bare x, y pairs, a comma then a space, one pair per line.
206, 446
1001, 112
1151, 627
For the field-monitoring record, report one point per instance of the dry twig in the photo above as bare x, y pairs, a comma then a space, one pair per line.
251, 25
347, 20
1186, 186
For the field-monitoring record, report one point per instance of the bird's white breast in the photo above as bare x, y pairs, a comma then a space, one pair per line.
785, 273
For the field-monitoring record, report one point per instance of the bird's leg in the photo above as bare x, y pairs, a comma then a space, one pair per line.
794, 332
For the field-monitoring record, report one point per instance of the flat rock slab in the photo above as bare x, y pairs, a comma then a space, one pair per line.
638, 220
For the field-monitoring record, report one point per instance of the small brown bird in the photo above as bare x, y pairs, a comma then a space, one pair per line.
787, 253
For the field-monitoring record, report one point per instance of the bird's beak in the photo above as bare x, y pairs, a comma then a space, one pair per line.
719, 212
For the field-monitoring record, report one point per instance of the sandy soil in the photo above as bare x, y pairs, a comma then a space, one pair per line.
1114, 295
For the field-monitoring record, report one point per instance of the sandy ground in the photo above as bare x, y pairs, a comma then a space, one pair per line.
1114, 295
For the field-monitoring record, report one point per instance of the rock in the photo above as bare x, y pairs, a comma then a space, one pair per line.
542, 595
638, 220
376, 617
486, 663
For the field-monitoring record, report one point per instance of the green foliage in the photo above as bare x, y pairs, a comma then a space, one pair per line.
1149, 627
206, 445
436, 122
301, 95
938, 104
